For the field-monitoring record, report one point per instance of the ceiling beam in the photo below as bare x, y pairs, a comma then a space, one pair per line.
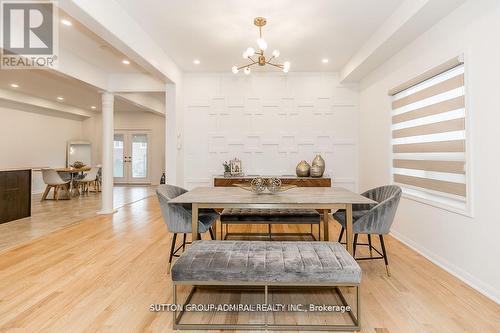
134, 83
22, 101
144, 101
409, 20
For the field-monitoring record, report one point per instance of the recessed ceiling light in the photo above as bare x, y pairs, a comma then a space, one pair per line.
196, 62
324, 60
60, 98
126, 62
66, 22
14, 85
93, 107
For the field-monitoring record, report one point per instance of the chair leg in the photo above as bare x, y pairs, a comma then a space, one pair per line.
172, 248
341, 234
385, 255
211, 233
370, 244
354, 245
56, 192
46, 192
184, 242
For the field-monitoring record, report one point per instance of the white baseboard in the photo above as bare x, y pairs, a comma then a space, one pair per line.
485, 289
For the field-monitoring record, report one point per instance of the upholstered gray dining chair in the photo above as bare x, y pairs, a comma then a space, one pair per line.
375, 219
177, 217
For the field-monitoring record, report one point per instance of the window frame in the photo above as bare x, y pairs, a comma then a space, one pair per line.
468, 209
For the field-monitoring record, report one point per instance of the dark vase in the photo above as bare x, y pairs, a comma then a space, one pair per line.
163, 179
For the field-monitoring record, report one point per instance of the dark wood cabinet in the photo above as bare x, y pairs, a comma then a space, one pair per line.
15, 194
292, 180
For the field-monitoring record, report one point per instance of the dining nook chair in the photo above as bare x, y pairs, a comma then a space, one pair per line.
53, 180
82, 185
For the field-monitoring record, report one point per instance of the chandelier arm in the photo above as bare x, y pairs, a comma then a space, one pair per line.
275, 65
253, 63
272, 57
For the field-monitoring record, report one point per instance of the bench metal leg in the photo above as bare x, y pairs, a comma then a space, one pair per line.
266, 326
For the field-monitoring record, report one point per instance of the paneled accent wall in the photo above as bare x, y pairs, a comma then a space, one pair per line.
271, 122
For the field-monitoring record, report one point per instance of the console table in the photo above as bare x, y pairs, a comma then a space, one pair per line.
221, 181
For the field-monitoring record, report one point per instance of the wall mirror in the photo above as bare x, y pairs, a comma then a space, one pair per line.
78, 151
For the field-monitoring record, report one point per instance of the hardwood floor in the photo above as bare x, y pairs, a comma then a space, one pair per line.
103, 274
48, 216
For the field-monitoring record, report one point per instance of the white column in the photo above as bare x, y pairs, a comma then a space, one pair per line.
170, 134
107, 153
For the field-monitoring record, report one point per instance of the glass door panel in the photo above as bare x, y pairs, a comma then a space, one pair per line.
119, 157
139, 156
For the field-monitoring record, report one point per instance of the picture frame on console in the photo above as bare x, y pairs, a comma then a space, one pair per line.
235, 165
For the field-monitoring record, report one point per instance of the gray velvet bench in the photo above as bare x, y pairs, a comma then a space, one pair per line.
267, 264
269, 216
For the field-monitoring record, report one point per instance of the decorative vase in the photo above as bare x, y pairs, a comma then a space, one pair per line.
303, 169
227, 174
320, 162
316, 171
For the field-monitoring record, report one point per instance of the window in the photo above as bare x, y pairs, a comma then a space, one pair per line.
429, 137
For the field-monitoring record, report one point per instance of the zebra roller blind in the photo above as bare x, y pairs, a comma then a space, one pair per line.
429, 136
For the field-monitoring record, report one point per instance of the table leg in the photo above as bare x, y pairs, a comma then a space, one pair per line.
326, 230
195, 221
348, 229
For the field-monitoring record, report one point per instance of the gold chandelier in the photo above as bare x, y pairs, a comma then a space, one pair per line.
261, 60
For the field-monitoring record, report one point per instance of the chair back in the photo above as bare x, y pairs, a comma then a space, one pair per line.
91, 175
51, 177
176, 216
381, 216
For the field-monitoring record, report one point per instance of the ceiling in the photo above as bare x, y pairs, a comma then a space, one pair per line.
217, 32
49, 85
85, 44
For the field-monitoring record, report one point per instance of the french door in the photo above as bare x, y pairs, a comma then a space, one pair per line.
131, 157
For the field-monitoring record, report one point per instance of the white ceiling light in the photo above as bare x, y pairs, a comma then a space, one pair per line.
126, 62
60, 98
196, 61
250, 52
262, 44
286, 66
66, 22
93, 107
324, 60
260, 58
14, 85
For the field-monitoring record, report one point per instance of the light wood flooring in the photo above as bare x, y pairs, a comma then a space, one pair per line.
49, 215
102, 274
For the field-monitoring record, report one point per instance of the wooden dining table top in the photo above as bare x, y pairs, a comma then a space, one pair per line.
73, 170
298, 195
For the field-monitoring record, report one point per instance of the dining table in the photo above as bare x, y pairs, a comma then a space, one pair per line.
72, 171
325, 199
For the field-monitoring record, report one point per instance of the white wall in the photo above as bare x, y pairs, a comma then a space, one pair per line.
132, 120
271, 122
465, 246
33, 139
